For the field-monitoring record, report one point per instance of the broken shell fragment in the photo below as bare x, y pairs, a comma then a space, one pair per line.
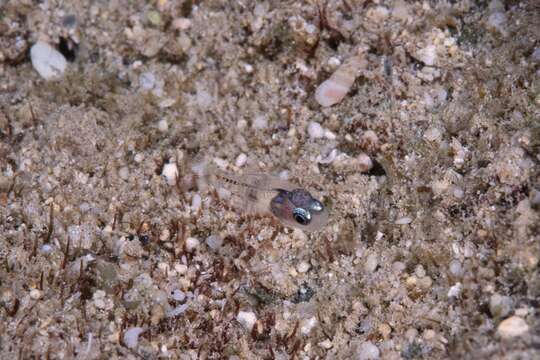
334, 89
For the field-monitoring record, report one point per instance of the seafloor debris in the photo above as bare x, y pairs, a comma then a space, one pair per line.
334, 89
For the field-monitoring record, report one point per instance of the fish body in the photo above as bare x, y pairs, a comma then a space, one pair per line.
259, 193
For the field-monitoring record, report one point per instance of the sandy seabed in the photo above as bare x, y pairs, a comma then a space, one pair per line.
110, 248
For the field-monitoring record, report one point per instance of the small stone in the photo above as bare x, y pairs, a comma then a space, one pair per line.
367, 351
364, 162
241, 160
196, 202
455, 268
35, 294
131, 337
385, 330
178, 295
192, 244
163, 126
47, 61
181, 269
334, 89
500, 306
46, 249
170, 171
512, 327
371, 263
123, 173
307, 325
427, 55
147, 80
247, 319
303, 267
181, 24
214, 242
403, 221
455, 290
326, 344
315, 130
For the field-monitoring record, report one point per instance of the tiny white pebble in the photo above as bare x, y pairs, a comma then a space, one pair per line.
170, 171
192, 243
455, 290
403, 221
307, 325
178, 295
326, 344
124, 173
47, 61
163, 125
315, 130
139, 158
35, 294
181, 269
46, 248
196, 202
367, 351
329, 135
131, 337
247, 319
364, 162
303, 267
241, 160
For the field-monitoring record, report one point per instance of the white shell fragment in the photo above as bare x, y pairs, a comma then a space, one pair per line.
131, 337
247, 319
334, 89
170, 171
47, 61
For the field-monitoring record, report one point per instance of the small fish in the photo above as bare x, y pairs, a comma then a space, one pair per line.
259, 193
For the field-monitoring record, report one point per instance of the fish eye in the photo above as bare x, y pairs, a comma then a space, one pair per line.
302, 216
316, 206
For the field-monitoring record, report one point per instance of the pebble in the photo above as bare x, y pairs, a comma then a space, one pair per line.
123, 173
163, 125
131, 337
170, 171
367, 351
47, 61
307, 325
178, 295
181, 269
196, 202
315, 130
241, 160
247, 319
326, 344
500, 306
455, 267
303, 267
512, 327
334, 89
371, 263
35, 294
427, 55
455, 290
147, 80
214, 242
46, 249
364, 162
192, 243
403, 221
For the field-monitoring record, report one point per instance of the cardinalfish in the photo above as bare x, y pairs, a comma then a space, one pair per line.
259, 193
